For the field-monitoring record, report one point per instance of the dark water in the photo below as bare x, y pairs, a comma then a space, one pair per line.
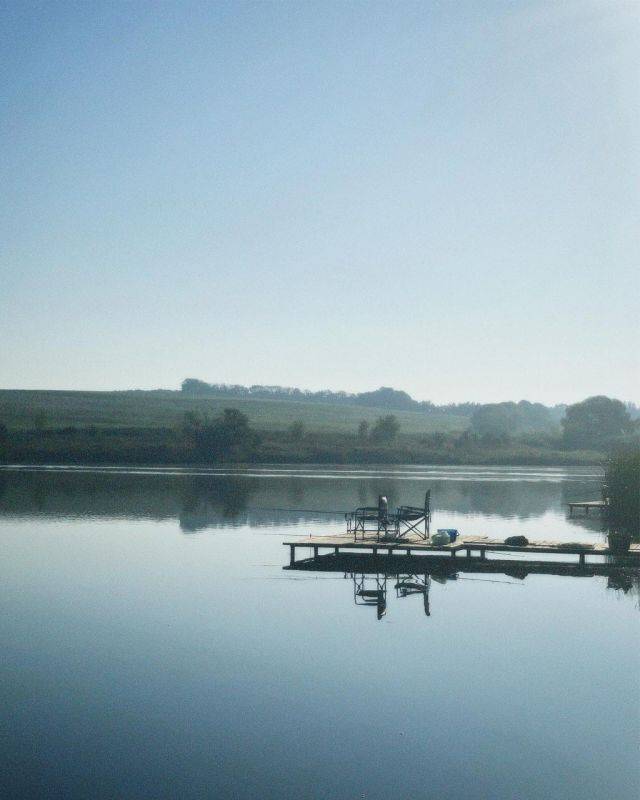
153, 646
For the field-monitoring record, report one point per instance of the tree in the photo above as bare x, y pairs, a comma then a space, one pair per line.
436, 439
195, 387
622, 487
297, 430
229, 436
4, 441
495, 419
595, 423
385, 429
363, 429
385, 397
534, 417
40, 420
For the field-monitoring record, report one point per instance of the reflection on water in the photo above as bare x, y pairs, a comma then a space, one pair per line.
372, 577
141, 662
372, 589
217, 498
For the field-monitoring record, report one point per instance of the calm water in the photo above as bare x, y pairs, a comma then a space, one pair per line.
154, 647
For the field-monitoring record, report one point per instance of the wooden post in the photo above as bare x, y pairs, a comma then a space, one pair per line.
389, 551
292, 556
336, 550
483, 554
582, 559
375, 551
315, 550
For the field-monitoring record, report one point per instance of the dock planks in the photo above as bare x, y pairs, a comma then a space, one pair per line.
466, 546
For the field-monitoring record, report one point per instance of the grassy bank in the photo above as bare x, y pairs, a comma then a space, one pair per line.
169, 446
24, 410
167, 427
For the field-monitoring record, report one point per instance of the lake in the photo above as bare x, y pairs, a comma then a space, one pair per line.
154, 646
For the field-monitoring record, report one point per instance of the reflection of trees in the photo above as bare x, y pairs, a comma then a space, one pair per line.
626, 582
210, 500
594, 522
207, 500
504, 498
89, 494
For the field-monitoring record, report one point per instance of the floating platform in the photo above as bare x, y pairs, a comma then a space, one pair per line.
466, 547
588, 505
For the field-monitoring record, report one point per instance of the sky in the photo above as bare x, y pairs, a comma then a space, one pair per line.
442, 197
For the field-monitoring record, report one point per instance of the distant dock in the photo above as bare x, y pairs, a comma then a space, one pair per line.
588, 505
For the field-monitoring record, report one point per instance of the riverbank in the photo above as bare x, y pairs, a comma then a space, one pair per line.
168, 446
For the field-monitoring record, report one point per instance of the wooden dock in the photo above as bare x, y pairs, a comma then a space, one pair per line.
469, 547
588, 505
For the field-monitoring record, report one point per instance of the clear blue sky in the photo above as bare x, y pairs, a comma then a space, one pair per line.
442, 197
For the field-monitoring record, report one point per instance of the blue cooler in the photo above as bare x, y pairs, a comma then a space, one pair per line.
452, 533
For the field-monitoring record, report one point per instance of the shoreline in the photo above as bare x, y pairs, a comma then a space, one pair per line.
240, 465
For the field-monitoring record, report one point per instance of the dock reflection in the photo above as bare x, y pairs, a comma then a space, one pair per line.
375, 579
371, 590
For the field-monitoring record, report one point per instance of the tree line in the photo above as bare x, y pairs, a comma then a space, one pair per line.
498, 433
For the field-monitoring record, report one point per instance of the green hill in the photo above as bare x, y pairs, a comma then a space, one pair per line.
27, 409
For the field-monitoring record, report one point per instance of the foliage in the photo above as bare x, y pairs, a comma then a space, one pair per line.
597, 422
495, 419
384, 397
229, 436
508, 419
622, 487
173, 427
187, 444
40, 420
385, 429
4, 442
297, 430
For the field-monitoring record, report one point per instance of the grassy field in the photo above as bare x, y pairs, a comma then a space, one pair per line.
23, 410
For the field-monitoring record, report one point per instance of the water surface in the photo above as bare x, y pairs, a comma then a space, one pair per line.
154, 647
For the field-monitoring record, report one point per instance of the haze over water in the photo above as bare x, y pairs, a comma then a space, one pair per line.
154, 647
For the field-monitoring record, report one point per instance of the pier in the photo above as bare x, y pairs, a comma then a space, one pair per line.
378, 573
588, 505
377, 536
477, 548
